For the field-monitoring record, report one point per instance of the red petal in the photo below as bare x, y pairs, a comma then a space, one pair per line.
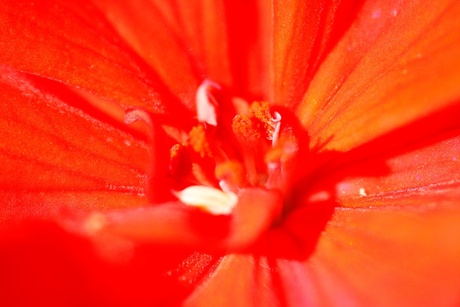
409, 255
405, 248
226, 42
239, 280
41, 263
303, 34
401, 240
398, 62
71, 42
54, 155
203, 27
150, 28
424, 173
179, 225
249, 35
178, 40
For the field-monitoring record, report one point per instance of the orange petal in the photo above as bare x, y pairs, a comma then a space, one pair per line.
386, 224
391, 227
303, 34
410, 255
398, 62
54, 155
422, 174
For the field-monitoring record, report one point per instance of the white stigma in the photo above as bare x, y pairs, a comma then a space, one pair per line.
209, 199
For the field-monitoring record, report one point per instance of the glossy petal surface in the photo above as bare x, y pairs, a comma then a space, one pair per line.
73, 43
371, 89
393, 66
401, 229
54, 155
303, 34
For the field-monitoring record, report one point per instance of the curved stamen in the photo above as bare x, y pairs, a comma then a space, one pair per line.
275, 123
206, 104
157, 172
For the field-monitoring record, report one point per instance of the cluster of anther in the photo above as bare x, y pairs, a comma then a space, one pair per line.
220, 159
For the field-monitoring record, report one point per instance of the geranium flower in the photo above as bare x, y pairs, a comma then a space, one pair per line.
214, 153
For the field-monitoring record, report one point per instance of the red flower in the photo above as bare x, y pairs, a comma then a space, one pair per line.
342, 191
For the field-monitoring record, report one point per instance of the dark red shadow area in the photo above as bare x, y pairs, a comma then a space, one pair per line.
297, 234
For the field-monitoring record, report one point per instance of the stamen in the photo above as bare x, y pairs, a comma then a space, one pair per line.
209, 199
261, 111
275, 123
157, 171
244, 130
259, 122
199, 142
206, 104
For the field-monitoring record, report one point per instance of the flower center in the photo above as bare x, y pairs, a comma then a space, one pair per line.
244, 145
238, 161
